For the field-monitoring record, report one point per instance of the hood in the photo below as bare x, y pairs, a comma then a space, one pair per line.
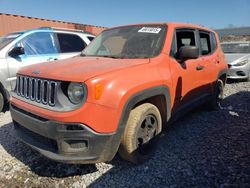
79, 69
232, 58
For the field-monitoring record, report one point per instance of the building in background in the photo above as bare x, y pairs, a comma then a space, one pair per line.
11, 23
234, 34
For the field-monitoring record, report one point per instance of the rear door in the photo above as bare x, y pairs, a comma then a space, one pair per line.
38, 47
187, 76
209, 58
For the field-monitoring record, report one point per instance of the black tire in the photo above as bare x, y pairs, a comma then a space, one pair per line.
215, 102
139, 139
2, 102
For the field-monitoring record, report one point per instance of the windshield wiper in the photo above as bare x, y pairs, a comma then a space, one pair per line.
82, 55
108, 56
111, 56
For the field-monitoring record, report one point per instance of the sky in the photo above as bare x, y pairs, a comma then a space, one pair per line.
210, 13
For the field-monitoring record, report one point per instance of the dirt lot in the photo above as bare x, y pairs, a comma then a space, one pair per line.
203, 149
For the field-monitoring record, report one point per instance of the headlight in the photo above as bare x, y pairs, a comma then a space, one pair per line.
241, 63
76, 92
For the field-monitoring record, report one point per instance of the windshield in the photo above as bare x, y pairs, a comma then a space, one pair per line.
5, 40
128, 42
236, 48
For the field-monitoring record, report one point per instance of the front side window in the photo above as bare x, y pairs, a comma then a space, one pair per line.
185, 38
5, 40
236, 47
205, 43
181, 38
39, 43
70, 43
128, 42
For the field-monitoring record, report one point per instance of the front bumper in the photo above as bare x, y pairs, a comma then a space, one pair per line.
64, 142
238, 72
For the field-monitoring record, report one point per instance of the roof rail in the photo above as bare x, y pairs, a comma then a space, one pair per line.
66, 29
44, 28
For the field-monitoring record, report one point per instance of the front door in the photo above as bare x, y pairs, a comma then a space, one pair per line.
188, 75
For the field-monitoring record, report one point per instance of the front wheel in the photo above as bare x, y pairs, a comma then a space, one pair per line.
139, 138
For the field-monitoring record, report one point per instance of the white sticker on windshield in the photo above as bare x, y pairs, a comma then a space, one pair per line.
150, 30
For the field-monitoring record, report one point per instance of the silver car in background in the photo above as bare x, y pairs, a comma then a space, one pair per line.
35, 46
238, 59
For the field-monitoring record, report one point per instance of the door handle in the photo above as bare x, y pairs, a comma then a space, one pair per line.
200, 67
52, 59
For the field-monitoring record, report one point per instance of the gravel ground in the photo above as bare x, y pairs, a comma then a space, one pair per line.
203, 149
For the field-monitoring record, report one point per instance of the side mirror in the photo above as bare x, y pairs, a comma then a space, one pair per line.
16, 51
188, 52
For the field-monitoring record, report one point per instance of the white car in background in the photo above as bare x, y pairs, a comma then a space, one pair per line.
238, 59
35, 46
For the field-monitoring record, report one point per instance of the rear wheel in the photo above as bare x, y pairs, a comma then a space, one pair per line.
139, 139
215, 102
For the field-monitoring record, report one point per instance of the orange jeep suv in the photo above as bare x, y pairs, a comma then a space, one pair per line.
118, 95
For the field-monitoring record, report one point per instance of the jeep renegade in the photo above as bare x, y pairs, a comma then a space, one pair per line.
118, 95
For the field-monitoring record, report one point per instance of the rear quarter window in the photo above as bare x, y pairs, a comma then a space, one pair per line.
90, 38
213, 42
205, 43
70, 43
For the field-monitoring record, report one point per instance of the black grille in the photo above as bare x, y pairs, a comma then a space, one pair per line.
36, 89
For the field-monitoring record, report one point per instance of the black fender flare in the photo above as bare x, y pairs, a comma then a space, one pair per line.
143, 95
131, 102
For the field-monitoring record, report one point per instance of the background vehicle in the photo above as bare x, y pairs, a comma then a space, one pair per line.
129, 82
238, 59
34, 46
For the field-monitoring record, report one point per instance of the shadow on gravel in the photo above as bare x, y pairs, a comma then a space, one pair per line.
36, 162
204, 149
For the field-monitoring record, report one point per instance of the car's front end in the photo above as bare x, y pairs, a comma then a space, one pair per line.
238, 59
54, 118
63, 116
239, 69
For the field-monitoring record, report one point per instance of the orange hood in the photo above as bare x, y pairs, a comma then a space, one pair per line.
78, 69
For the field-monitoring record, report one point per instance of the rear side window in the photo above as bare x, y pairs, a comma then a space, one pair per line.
205, 43
70, 43
213, 42
39, 43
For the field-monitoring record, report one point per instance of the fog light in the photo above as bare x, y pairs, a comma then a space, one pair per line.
74, 146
